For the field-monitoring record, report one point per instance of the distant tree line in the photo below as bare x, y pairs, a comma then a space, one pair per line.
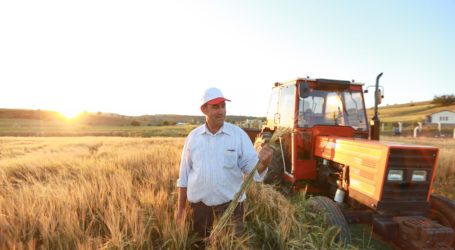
111, 119
444, 100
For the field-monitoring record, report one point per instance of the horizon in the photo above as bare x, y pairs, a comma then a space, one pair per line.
170, 114
157, 57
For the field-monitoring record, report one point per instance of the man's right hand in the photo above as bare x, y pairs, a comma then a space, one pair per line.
179, 215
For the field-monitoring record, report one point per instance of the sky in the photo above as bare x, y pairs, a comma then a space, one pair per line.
157, 57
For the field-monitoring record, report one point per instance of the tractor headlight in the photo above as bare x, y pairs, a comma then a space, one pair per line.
419, 175
395, 175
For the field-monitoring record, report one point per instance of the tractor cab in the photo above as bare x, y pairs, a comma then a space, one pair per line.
305, 103
307, 108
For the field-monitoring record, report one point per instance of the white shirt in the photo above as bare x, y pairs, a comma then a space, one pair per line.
213, 165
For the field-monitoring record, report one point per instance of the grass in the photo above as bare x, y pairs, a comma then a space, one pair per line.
409, 112
120, 193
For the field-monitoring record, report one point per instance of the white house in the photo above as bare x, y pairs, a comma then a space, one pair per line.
443, 117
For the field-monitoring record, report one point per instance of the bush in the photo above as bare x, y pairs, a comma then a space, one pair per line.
135, 123
444, 100
168, 123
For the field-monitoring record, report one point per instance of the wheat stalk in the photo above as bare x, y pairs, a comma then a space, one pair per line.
245, 185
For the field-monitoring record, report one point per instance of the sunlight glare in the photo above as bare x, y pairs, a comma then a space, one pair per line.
70, 114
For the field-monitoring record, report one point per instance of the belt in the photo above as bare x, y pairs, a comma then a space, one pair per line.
220, 206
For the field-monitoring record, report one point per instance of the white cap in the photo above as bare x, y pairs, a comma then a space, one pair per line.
212, 96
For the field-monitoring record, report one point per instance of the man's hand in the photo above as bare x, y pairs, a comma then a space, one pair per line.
265, 157
179, 215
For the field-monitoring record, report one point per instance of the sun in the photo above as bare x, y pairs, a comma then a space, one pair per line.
70, 114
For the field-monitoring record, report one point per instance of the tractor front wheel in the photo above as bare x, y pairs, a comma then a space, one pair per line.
332, 216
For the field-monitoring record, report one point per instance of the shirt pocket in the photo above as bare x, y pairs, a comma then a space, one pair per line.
230, 158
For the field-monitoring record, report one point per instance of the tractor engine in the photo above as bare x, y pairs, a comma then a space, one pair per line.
383, 176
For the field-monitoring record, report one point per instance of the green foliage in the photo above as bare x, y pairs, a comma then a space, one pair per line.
135, 123
444, 100
168, 123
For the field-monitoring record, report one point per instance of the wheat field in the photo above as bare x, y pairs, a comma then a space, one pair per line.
120, 193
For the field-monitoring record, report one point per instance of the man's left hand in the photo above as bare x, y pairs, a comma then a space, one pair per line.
265, 155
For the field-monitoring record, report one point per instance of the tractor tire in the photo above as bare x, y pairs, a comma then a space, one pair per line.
275, 169
443, 211
332, 216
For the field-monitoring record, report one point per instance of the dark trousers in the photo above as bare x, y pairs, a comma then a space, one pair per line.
203, 217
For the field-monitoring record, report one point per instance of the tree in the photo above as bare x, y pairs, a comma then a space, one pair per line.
135, 123
444, 100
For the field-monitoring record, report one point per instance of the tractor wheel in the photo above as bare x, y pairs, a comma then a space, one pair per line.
443, 211
332, 216
275, 169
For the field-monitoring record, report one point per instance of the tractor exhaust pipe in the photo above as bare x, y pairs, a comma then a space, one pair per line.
375, 123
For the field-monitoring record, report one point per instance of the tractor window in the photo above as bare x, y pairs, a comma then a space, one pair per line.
355, 110
339, 108
272, 116
334, 109
311, 110
287, 106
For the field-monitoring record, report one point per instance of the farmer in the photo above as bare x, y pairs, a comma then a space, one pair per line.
215, 157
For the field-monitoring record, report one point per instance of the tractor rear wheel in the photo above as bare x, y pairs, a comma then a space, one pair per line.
275, 169
443, 211
332, 216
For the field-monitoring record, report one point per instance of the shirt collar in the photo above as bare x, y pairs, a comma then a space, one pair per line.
224, 129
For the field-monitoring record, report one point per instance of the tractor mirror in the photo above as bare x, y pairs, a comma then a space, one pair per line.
304, 90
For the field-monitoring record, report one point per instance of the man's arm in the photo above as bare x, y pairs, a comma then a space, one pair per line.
180, 213
182, 182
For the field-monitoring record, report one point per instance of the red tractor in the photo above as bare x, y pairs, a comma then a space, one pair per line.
329, 149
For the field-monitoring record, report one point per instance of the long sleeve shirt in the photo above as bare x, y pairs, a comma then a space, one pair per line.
213, 165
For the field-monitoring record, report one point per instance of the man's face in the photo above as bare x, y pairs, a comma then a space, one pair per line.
215, 114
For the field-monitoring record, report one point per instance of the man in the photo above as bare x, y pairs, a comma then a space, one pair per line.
214, 159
